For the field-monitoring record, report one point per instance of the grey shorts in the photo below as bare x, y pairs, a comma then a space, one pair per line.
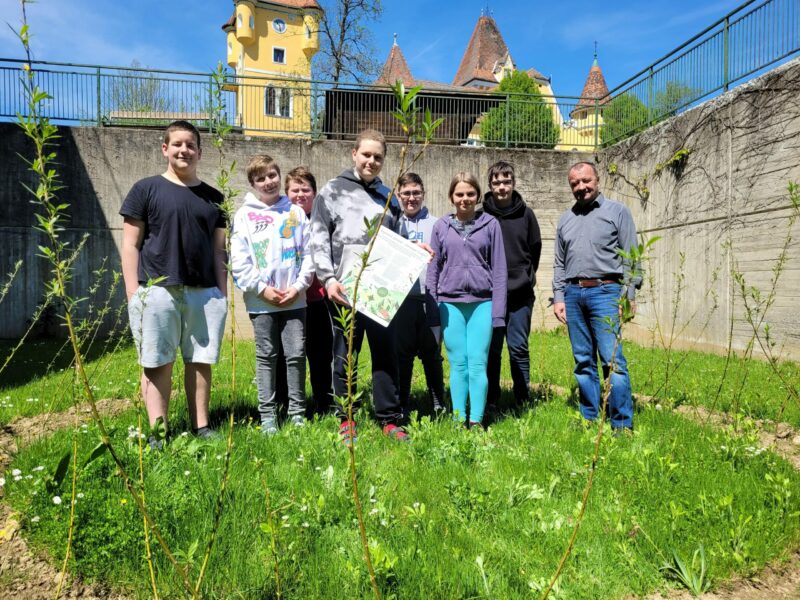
164, 319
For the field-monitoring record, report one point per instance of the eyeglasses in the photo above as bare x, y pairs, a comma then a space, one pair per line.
413, 194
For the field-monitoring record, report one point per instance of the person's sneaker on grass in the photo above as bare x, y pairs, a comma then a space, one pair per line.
205, 433
297, 420
269, 427
398, 433
476, 426
348, 433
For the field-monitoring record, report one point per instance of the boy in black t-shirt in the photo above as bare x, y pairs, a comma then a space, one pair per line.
174, 235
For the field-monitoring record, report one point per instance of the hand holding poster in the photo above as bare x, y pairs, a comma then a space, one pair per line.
394, 265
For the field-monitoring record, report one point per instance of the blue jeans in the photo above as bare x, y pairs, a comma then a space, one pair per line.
588, 310
516, 333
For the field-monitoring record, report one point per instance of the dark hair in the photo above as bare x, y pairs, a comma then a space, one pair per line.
370, 134
258, 164
300, 174
501, 167
182, 125
464, 177
578, 165
410, 179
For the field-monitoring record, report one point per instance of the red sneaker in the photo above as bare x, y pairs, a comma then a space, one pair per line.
398, 433
347, 431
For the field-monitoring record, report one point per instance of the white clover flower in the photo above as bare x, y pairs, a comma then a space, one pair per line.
305, 523
56, 500
16, 472
187, 473
374, 511
17, 477
415, 505
35, 519
79, 494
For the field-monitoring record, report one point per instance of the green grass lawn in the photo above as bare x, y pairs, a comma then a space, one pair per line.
433, 507
437, 508
749, 388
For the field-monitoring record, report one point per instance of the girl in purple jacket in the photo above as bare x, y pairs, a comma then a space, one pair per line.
467, 277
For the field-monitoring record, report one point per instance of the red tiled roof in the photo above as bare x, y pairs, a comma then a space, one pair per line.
594, 88
536, 76
295, 3
486, 47
290, 3
396, 68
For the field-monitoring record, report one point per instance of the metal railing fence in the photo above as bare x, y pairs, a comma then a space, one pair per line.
744, 42
102, 95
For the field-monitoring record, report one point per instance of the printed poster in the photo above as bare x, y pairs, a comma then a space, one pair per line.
394, 265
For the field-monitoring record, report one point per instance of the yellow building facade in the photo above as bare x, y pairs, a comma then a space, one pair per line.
582, 129
270, 46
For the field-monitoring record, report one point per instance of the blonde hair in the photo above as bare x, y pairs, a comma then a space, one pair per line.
258, 164
370, 134
464, 177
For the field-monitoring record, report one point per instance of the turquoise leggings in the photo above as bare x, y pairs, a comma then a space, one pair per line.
467, 333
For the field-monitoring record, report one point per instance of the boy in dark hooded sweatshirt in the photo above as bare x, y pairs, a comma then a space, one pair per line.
522, 242
338, 228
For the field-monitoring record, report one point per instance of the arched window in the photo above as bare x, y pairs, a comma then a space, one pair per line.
277, 101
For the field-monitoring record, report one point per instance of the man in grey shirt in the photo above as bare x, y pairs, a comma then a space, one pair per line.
589, 278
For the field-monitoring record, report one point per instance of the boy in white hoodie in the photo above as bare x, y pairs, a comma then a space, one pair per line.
272, 265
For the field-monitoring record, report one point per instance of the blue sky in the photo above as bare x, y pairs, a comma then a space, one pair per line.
556, 38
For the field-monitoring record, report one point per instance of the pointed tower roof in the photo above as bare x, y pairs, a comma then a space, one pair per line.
595, 86
396, 68
485, 49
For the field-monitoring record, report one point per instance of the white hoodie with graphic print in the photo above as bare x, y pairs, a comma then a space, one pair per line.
269, 247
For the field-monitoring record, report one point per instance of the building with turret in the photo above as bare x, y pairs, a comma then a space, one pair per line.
270, 45
586, 119
486, 62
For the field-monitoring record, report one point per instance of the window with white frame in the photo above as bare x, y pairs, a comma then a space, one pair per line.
279, 55
278, 101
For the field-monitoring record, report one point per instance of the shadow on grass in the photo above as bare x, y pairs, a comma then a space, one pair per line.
37, 358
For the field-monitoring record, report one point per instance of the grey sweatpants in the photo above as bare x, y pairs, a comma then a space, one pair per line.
284, 329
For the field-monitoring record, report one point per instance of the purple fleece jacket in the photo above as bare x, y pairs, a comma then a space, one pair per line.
471, 269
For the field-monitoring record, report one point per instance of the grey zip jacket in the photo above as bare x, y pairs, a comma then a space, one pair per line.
337, 220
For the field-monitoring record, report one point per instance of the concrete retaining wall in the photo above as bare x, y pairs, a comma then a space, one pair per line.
726, 210
99, 166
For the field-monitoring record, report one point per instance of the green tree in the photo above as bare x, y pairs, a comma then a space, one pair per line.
673, 97
622, 117
524, 120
